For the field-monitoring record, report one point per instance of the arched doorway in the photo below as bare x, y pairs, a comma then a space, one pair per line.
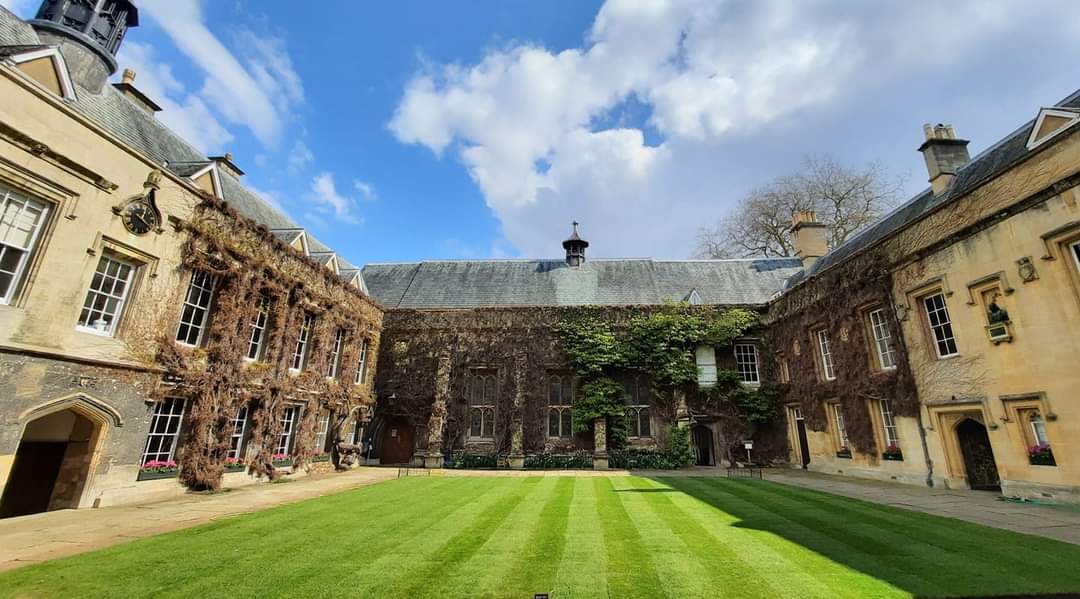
979, 463
703, 446
52, 463
398, 442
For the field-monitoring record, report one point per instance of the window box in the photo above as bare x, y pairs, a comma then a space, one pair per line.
893, 453
234, 465
320, 457
156, 469
844, 453
280, 460
1041, 455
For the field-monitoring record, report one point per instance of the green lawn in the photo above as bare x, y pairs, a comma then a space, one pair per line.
570, 537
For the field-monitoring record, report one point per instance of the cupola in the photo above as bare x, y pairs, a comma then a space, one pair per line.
88, 33
575, 248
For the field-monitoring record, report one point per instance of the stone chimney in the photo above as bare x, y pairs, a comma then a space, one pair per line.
809, 234
575, 248
127, 87
944, 155
226, 162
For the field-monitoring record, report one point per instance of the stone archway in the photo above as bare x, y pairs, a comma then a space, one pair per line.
56, 454
703, 444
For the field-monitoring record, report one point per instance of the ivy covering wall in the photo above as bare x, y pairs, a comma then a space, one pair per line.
216, 380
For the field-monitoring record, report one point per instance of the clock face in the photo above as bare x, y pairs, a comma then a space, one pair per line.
140, 217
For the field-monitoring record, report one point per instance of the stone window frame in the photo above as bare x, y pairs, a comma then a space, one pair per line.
1015, 408
838, 427
362, 362
637, 408
201, 288
486, 410
237, 438
793, 411
877, 411
286, 439
755, 362
260, 325
1060, 244
874, 338
125, 298
943, 332
826, 367
564, 410
705, 360
783, 368
168, 415
322, 429
32, 251
333, 368
302, 351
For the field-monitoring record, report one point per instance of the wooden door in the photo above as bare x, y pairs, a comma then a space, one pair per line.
398, 441
703, 446
804, 444
979, 463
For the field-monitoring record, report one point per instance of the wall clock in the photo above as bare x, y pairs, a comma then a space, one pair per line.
140, 217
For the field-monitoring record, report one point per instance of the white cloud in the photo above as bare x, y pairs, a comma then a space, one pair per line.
184, 112
533, 126
367, 190
326, 201
22, 8
300, 157
258, 97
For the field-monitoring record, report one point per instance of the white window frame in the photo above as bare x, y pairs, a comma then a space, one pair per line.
10, 197
1038, 428
942, 332
888, 424
484, 406
1075, 250
122, 299
335, 355
323, 431
361, 366
705, 356
828, 370
303, 341
562, 407
841, 428
883, 345
290, 416
202, 284
236, 437
257, 339
165, 425
747, 368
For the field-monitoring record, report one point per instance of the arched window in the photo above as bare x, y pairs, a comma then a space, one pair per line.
560, 405
482, 390
638, 417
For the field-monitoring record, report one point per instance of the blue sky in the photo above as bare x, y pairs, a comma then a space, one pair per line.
408, 130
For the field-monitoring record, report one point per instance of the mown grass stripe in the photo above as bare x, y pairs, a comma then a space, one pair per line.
584, 560
904, 552
630, 570
797, 569
465, 539
535, 565
721, 571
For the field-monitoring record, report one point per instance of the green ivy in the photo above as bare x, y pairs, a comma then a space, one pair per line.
600, 398
682, 454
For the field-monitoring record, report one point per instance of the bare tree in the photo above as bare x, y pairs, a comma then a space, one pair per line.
845, 199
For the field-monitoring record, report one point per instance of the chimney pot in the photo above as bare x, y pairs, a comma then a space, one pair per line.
809, 237
129, 77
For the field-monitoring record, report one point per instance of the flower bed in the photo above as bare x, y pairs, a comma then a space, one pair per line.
320, 457
234, 465
550, 461
281, 460
156, 469
1041, 455
893, 453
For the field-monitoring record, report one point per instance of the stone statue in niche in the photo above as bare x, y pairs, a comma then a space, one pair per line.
996, 313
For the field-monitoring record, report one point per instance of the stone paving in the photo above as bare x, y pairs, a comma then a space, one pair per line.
50, 535
1061, 522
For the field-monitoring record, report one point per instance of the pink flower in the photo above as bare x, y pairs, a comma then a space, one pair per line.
280, 456
1039, 450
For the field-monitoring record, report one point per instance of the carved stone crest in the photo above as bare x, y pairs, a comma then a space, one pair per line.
1026, 269
844, 334
797, 348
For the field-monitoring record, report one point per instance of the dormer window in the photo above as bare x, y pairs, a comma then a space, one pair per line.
1049, 123
47, 68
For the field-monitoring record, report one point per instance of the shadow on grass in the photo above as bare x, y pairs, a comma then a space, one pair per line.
923, 554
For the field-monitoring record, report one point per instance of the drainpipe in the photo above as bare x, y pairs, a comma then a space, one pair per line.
925, 450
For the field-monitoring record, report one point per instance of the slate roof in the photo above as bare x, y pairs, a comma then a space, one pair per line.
121, 117
488, 283
988, 164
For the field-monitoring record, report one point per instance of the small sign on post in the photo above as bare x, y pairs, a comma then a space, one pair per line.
748, 445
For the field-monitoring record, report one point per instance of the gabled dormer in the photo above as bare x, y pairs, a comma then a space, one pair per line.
354, 277
693, 298
208, 180
1050, 122
44, 65
327, 259
296, 238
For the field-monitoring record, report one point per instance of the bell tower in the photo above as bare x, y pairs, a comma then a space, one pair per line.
89, 33
575, 248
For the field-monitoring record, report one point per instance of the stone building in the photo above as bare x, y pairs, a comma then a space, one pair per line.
104, 211
473, 364
937, 347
